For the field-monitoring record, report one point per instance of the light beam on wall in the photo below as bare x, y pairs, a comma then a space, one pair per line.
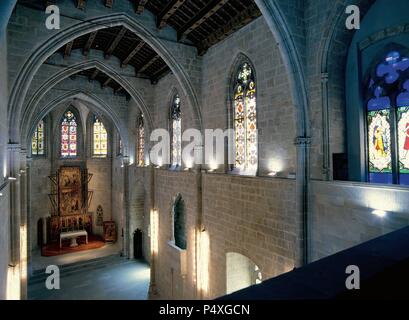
154, 231
13, 283
5, 168
203, 263
379, 213
23, 252
275, 167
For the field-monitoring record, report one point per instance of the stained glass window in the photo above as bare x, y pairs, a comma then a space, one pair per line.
141, 142
176, 123
245, 121
388, 120
100, 139
37, 141
69, 135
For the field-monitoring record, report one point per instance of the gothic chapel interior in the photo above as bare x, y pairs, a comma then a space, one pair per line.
320, 120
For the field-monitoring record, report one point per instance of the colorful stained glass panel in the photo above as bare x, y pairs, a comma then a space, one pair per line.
403, 134
176, 143
37, 141
245, 121
141, 142
100, 139
69, 135
379, 134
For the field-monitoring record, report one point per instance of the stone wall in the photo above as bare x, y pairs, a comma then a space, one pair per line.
4, 200
275, 109
341, 214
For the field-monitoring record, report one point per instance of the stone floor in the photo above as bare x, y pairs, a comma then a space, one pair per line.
39, 262
111, 279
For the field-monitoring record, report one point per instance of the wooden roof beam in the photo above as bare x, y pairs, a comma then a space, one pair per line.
148, 64
132, 53
234, 24
68, 49
158, 74
89, 43
106, 83
211, 8
94, 75
168, 12
116, 91
115, 43
140, 6
81, 4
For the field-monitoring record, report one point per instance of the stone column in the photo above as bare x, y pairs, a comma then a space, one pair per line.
23, 224
153, 291
126, 246
302, 184
15, 205
199, 154
326, 166
29, 222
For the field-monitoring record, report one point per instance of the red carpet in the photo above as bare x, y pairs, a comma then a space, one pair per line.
53, 249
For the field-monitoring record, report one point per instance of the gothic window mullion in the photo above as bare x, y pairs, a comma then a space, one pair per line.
394, 146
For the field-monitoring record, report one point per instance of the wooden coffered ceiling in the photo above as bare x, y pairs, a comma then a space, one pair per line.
203, 23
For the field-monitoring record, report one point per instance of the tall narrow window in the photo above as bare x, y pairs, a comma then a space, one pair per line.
69, 135
179, 223
245, 121
100, 137
141, 142
388, 120
120, 147
37, 141
176, 123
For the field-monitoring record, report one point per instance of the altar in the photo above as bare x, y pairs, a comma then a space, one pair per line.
73, 235
70, 199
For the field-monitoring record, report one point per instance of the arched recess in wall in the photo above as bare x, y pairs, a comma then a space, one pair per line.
61, 38
179, 223
241, 272
333, 48
93, 103
79, 141
136, 213
30, 109
243, 82
292, 60
99, 142
391, 29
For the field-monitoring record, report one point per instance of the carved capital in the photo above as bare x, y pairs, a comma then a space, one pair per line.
302, 141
